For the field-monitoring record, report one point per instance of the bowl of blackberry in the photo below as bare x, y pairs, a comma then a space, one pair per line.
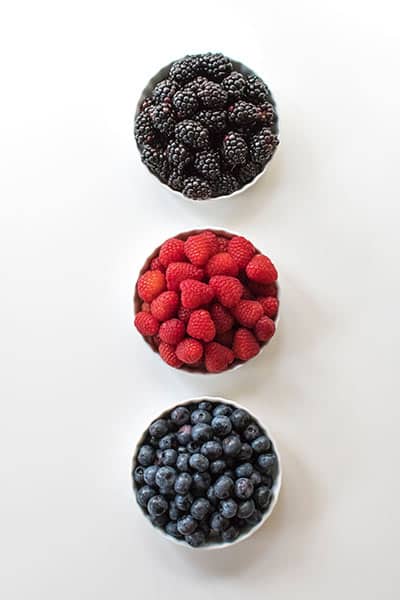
206, 473
206, 126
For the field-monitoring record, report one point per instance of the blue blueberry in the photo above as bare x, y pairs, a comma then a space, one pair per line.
221, 425
157, 505
261, 444
218, 523
240, 419
146, 455
144, 494
171, 528
246, 509
165, 478
159, 520
222, 409
244, 488
256, 478
212, 450
154, 441
184, 435
168, 457
204, 527
200, 416
266, 462
263, 497
159, 428
251, 432
217, 467
228, 508
168, 441
200, 508
183, 503
183, 483
150, 474
199, 462
212, 498
229, 473
244, 470
223, 487
196, 539
230, 534
138, 475
232, 445
202, 432
206, 405
254, 518
182, 462
193, 447
173, 512
245, 453
186, 525
201, 482
180, 416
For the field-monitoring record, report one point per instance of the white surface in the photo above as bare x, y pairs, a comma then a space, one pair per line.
78, 216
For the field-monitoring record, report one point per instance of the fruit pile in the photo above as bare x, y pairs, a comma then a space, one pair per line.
207, 301
205, 473
207, 130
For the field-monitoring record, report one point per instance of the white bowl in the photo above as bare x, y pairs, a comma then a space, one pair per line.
275, 488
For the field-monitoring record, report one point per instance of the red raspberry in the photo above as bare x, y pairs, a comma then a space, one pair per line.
228, 290
247, 312
225, 338
264, 329
150, 285
189, 351
184, 314
270, 306
156, 265
241, 250
167, 353
261, 269
179, 271
245, 345
165, 306
217, 357
172, 331
145, 307
221, 264
222, 243
172, 251
201, 326
195, 293
200, 247
146, 324
222, 318
263, 289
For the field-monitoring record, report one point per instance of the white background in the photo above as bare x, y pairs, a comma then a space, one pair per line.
78, 217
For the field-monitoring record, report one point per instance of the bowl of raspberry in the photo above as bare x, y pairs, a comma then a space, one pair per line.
206, 473
206, 126
207, 301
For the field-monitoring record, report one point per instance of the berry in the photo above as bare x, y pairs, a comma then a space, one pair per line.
263, 497
228, 290
201, 483
182, 462
231, 445
215, 66
144, 129
264, 329
248, 172
200, 416
222, 318
146, 455
222, 409
245, 345
270, 306
262, 145
221, 425
235, 85
254, 519
165, 306
155, 265
167, 353
267, 115
219, 523
183, 70
200, 247
251, 432
192, 134
168, 441
150, 475
201, 326
146, 324
261, 444
266, 462
171, 529
138, 475
263, 289
154, 159
246, 509
200, 508
176, 180
240, 419
162, 116
183, 483
186, 525
217, 467
180, 271
247, 312
189, 351
165, 90
185, 103
234, 149
222, 243
245, 452
184, 434
150, 285
145, 307
223, 487
256, 478
241, 250
183, 503
261, 269
226, 185
205, 405
207, 164
195, 293
256, 90
213, 120
242, 114
212, 450
196, 188
230, 534
144, 494
178, 156
244, 488
202, 432
184, 314
244, 470
165, 478
228, 508
217, 357
180, 415
172, 331
158, 428
212, 95
221, 264
196, 84
168, 457
196, 539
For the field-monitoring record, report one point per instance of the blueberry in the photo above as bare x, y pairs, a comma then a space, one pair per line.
223, 487
200, 508
204, 527
150, 474
246, 508
144, 494
182, 462
267, 480
183, 503
222, 425
211, 496
255, 518
251, 432
240, 419
206, 405
256, 478
186, 525
154, 441
157, 505
229, 473
232, 445
138, 475
200, 416
244, 488
168, 457
263, 497
217, 467
171, 528
180, 416
201, 483
146, 456
244, 470
168, 441
158, 428
202, 433
159, 520
199, 462
230, 534
218, 523
228, 508
173, 511
165, 478
222, 409
193, 447
212, 450
266, 462
183, 483
196, 539
184, 434
245, 453
261, 444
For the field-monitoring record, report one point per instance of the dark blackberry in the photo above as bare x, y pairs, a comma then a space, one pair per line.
212, 95
207, 163
262, 145
267, 115
185, 103
213, 120
256, 90
185, 69
144, 129
178, 155
235, 85
248, 172
155, 160
197, 83
163, 118
192, 134
165, 90
196, 188
242, 114
176, 181
149, 101
215, 66
227, 184
234, 149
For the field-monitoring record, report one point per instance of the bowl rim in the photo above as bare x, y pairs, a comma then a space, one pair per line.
276, 487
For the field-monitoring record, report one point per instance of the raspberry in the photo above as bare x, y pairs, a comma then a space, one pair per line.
189, 351
179, 271
167, 353
195, 293
228, 290
217, 357
145, 307
270, 306
263, 289
171, 252
261, 269
264, 329
165, 306
222, 318
184, 313
248, 312
200, 247
201, 326
221, 264
245, 345
146, 324
150, 285
222, 243
226, 339
241, 250
156, 265
172, 331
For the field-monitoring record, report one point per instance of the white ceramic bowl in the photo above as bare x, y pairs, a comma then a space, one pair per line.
275, 488
137, 303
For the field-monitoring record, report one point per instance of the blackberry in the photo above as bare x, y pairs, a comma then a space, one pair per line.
227, 184
149, 101
207, 163
155, 160
196, 188
267, 115
234, 149
212, 95
192, 134
213, 120
185, 69
242, 114
262, 145
176, 181
144, 129
215, 66
256, 90
248, 172
162, 116
197, 83
165, 90
185, 103
234, 85
178, 155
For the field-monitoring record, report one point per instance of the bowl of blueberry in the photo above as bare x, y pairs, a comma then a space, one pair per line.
206, 473
206, 126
